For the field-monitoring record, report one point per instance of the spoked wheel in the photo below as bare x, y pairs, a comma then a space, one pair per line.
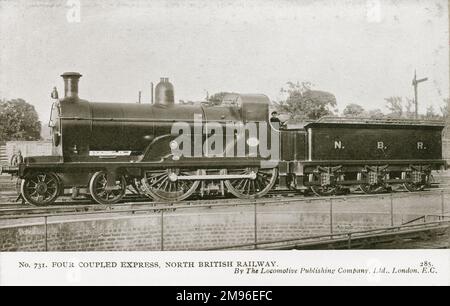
101, 194
323, 191
251, 188
370, 189
40, 188
161, 185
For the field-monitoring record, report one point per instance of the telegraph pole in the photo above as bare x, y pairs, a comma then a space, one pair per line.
415, 83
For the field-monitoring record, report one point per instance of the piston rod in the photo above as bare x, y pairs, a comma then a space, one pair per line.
173, 177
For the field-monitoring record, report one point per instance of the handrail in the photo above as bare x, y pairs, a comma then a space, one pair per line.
415, 219
425, 217
335, 119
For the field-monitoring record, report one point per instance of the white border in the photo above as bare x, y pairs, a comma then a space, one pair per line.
318, 265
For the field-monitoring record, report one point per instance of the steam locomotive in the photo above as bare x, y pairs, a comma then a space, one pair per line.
169, 151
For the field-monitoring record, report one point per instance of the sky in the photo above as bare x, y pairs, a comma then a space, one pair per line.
361, 51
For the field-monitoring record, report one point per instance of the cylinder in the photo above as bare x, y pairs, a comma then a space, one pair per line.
164, 93
71, 84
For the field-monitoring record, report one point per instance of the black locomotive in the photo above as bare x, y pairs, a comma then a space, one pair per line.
169, 152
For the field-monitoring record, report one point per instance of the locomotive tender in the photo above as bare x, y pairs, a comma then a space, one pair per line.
108, 147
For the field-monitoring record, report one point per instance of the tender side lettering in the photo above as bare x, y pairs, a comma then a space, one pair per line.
420, 146
338, 144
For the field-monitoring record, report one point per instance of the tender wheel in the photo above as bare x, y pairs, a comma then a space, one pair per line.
412, 187
370, 189
251, 188
40, 188
160, 186
99, 192
419, 186
323, 191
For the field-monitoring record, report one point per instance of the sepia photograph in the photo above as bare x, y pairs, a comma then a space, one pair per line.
292, 130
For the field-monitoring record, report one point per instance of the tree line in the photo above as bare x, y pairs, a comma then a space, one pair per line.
302, 102
18, 121
398, 107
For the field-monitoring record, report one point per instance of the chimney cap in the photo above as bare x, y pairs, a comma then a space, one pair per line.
71, 74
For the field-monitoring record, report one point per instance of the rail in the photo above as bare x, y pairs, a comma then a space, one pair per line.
162, 213
157, 206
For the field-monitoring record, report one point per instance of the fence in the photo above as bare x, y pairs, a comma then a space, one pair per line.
27, 148
161, 228
3, 155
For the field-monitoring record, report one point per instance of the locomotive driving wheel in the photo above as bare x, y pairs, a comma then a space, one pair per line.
104, 195
165, 185
251, 188
40, 188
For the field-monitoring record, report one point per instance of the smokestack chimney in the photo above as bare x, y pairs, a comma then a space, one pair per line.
71, 84
164, 93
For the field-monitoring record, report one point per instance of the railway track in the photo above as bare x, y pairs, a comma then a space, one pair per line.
136, 205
